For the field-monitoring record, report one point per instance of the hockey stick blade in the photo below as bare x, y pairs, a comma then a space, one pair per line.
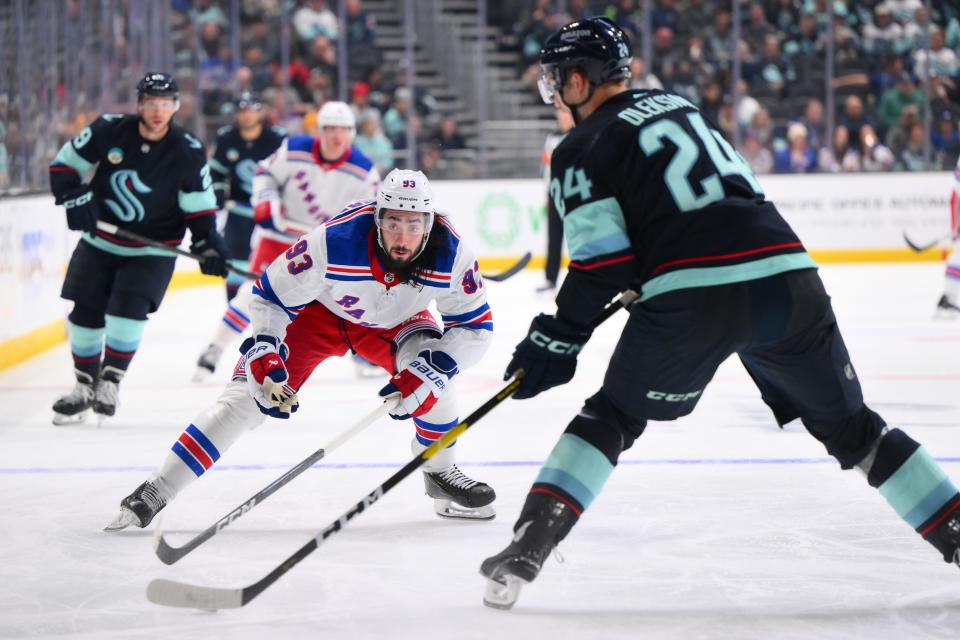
919, 248
169, 554
180, 594
512, 271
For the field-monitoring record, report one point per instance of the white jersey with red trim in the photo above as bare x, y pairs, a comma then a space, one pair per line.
294, 190
337, 266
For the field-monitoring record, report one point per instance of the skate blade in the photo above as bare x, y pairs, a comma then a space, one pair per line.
62, 419
123, 520
503, 595
448, 509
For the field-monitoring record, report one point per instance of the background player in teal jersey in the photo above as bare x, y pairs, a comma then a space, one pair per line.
654, 199
151, 178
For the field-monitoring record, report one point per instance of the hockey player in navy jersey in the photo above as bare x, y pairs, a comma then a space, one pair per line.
362, 281
239, 147
653, 198
151, 178
305, 183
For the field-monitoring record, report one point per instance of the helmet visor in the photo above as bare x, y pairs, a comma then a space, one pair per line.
549, 82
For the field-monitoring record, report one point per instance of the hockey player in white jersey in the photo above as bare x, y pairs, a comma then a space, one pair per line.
360, 282
305, 183
949, 304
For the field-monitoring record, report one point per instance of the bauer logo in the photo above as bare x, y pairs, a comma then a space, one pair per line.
115, 155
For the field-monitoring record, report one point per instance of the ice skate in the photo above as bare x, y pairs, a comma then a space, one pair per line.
456, 495
74, 407
547, 286
363, 368
106, 396
946, 310
207, 363
542, 528
138, 508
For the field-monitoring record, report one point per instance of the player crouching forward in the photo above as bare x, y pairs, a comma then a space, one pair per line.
360, 282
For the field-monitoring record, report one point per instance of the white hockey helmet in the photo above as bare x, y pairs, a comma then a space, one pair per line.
406, 190
337, 114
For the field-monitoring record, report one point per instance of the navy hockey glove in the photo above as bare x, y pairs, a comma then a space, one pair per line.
212, 250
267, 376
548, 355
421, 383
82, 211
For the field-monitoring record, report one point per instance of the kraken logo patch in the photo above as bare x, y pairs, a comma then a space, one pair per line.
115, 155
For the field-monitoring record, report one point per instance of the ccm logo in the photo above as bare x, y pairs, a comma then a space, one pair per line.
76, 202
673, 397
555, 346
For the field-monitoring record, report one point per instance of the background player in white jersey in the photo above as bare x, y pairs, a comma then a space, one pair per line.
360, 282
949, 304
302, 185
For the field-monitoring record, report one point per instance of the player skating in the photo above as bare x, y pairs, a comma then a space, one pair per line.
302, 185
151, 178
360, 282
239, 147
654, 198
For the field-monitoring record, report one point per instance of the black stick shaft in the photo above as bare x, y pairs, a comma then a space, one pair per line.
136, 237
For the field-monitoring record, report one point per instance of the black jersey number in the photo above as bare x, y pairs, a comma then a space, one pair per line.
724, 157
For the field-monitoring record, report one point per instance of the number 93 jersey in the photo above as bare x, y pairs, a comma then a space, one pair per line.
336, 265
652, 195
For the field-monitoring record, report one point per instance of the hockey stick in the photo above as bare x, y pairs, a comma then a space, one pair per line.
113, 229
169, 554
952, 236
180, 594
512, 271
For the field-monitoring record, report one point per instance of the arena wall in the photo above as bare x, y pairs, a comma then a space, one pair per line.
840, 218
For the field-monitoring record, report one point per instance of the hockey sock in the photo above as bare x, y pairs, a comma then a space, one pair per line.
86, 345
427, 434
123, 338
210, 434
951, 284
235, 322
574, 473
914, 485
234, 281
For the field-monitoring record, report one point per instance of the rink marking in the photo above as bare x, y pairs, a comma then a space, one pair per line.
491, 463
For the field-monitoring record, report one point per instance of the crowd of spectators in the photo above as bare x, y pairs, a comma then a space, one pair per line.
880, 60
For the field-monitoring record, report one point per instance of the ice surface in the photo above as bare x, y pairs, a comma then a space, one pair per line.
718, 525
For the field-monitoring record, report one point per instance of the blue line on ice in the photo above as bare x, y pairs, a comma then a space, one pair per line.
397, 465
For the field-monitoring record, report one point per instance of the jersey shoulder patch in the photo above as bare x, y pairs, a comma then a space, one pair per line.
300, 143
223, 131
358, 159
348, 239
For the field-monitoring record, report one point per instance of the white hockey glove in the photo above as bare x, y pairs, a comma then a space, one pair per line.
267, 376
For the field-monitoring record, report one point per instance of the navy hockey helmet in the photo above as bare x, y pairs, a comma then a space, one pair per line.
158, 84
248, 100
596, 46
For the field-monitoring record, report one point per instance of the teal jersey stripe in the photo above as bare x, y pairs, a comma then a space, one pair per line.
197, 200
119, 250
69, 156
84, 341
243, 210
124, 333
931, 504
913, 482
714, 276
595, 229
577, 467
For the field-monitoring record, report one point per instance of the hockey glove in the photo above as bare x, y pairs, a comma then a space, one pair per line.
420, 384
267, 376
548, 355
82, 211
212, 250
